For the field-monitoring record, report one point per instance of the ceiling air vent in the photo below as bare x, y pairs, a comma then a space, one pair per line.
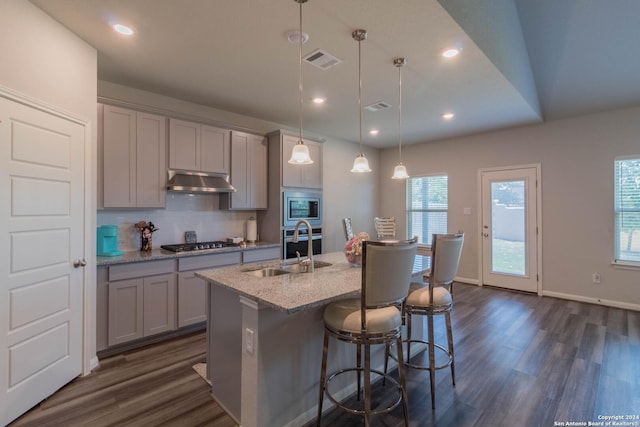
322, 59
377, 106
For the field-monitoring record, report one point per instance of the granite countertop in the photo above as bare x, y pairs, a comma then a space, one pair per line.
160, 254
291, 292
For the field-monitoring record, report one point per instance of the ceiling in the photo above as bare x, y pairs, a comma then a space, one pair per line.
521, 61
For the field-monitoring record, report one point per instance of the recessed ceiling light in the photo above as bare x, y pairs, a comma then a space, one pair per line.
294, 36
123, 29
448, 116
450, 53
373, 132
319, 100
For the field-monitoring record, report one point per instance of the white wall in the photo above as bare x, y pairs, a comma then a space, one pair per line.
44, 62
348, 194
577, 158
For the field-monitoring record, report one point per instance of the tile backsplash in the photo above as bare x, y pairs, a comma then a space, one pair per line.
183, 212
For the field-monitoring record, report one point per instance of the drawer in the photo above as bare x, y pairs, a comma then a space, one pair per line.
208, 261
265, 254
140, 269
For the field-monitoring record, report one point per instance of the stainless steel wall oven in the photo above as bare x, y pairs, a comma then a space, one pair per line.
290, 248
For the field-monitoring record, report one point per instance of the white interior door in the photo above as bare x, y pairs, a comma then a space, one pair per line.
509, 227
41, 229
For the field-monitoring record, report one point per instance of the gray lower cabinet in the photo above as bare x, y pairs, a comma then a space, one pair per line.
141, 303
192, 301
192, 290
141, 299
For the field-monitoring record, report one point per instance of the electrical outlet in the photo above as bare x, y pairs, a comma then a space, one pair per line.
596, 277
249, 336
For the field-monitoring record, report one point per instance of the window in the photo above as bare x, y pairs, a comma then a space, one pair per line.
427, 205
627, 210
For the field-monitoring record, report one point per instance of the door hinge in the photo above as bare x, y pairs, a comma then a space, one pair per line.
537, 277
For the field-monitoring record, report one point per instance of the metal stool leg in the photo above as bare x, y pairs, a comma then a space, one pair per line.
409, 321
403, 382
447, 316
323, 375
432, 361
367, 384
359, 365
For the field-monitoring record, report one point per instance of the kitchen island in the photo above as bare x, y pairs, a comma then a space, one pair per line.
265, 339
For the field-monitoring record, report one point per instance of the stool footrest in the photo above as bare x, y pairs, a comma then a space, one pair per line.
361, 411
423, 367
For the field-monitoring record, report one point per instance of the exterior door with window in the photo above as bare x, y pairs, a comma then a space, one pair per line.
509, 227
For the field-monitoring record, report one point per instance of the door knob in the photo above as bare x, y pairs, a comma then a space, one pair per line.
485, 234
79, 263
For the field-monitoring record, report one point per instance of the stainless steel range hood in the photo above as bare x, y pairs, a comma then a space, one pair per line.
198, 182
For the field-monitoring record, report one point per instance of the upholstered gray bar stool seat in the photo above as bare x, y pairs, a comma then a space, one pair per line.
373, 318
435, 298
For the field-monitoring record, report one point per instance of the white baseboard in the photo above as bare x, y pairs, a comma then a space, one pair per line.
590, 300
571, 297
467, 280
93, 363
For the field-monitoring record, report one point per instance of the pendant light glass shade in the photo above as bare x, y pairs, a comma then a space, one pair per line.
300, 153
400, 171
360, 164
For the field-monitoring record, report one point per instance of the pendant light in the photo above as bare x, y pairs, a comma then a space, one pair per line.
300, 153
360, 164
400, 171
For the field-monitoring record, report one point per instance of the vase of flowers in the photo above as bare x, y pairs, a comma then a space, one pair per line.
353, 249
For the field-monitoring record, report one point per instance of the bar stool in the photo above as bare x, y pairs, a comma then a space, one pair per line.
433, 298
374, 318
385, 227
348, 230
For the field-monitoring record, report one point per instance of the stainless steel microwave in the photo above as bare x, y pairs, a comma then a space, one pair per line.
301, 205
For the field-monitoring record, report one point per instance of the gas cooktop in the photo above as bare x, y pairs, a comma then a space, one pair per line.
186, 247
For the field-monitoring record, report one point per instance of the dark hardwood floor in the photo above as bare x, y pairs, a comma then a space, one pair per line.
521, 360
151, 386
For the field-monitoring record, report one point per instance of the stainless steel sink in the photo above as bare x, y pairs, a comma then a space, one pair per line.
298, 268
285, 269
267, 272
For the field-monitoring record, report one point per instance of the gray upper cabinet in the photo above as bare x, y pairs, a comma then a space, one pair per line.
198, 147
248, 171
133, 146
303, 176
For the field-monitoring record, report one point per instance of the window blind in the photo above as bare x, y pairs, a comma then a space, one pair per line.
627, 209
